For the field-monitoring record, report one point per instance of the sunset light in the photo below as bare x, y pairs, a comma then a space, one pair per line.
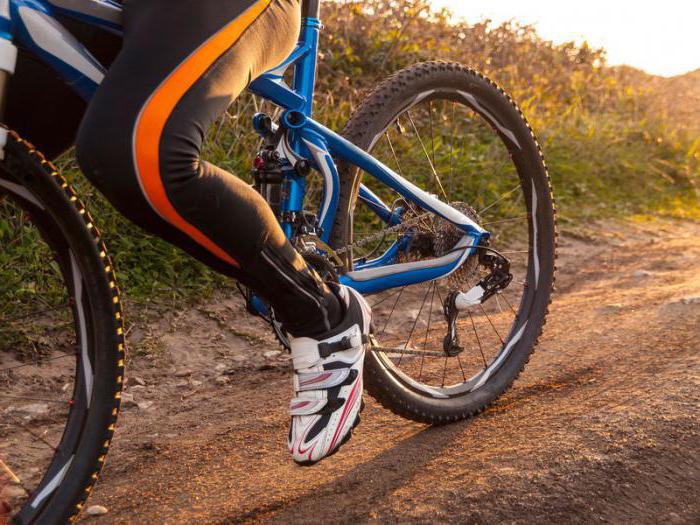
660, 38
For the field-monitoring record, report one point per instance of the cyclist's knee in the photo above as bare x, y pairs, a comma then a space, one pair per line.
179, 159
110, 156
95, 151
104, 154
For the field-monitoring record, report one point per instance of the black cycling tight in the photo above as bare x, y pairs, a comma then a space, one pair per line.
182, 64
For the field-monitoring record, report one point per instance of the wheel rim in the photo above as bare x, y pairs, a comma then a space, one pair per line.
46, 358
446, 141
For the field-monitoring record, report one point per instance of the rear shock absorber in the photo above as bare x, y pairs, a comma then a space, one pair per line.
268, 178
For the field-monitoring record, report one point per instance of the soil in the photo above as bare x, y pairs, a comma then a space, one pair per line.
603, 425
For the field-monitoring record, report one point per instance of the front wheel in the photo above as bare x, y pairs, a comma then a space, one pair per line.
454, 133
61, 343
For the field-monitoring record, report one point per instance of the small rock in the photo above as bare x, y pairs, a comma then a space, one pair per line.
128, 400
97, 510
272, 354
641, 274
67, 387
239, 358
12, 494
136, 380
195, 383
183, 373
690, 300
613, 306
137, 388
144, 405
222, 380
220, 367
674, 518
36, 409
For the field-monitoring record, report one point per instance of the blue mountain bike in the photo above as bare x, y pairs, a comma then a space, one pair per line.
434, 202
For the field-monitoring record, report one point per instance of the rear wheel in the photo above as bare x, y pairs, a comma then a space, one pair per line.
61, 343
453, 132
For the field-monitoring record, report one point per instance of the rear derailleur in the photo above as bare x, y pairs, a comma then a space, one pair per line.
496, 281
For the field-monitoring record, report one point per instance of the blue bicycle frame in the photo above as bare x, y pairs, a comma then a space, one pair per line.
32, 24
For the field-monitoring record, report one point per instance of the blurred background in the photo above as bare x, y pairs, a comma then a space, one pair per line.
659, 38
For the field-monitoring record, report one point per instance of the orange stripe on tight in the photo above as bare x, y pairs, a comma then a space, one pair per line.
159, 107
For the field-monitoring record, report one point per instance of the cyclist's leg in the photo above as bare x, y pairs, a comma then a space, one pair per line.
181, 66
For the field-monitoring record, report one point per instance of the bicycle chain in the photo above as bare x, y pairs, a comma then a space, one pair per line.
381, 234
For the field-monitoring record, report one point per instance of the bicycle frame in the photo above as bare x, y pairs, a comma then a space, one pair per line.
32, 24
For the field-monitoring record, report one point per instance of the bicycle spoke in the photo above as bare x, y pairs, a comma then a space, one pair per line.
478, 340
427, 331
432, 166
464, 376
28, 398
33, 313
392, 311
36, 436
415, 323
393, 151
444, 372
450, 181
514, 219
504, 196
406, 351
57, 325
386, 298
500, 310
432, 132
75, 354
491, 323
503, 296
444, 367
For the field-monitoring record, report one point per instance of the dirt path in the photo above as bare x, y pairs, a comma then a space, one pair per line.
603, 425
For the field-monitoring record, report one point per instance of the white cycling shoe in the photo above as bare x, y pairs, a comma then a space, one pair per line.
328, 383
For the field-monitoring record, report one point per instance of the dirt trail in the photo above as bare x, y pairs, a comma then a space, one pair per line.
604, 425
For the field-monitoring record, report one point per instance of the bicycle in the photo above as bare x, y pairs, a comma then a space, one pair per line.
388, 236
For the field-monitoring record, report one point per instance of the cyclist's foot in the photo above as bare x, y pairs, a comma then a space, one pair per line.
328, 383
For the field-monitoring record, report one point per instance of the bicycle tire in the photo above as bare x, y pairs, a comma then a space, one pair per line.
374, 115
80, 455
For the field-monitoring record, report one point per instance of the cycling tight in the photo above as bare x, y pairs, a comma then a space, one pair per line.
181, 65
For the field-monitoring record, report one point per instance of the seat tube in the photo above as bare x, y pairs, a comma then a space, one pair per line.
8, 61
310, 8
304, 80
